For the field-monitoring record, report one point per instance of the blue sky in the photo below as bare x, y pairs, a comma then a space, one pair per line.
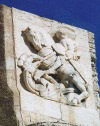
80, 13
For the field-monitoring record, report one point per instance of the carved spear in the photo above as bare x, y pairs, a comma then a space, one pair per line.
68, 59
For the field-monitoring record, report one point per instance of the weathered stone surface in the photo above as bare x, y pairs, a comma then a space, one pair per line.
7, 113
94, 71
79, 116
33, 103
93, 62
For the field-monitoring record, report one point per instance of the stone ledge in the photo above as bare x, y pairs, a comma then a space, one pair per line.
53, 124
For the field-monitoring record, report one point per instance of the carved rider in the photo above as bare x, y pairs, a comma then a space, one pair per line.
58, 62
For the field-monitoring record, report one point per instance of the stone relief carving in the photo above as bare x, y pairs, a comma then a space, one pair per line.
48, 72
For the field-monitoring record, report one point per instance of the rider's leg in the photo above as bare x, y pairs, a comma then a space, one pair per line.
80, 84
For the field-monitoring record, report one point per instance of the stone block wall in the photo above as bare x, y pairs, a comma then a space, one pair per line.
18, 106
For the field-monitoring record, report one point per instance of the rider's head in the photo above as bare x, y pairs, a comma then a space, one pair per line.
60, 35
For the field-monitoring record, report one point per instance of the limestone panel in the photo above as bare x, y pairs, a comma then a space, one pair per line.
53, 109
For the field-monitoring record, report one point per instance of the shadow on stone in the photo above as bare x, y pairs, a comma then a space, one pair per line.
7, 114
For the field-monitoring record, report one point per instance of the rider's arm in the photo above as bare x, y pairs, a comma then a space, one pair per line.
56, 65
36, 57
